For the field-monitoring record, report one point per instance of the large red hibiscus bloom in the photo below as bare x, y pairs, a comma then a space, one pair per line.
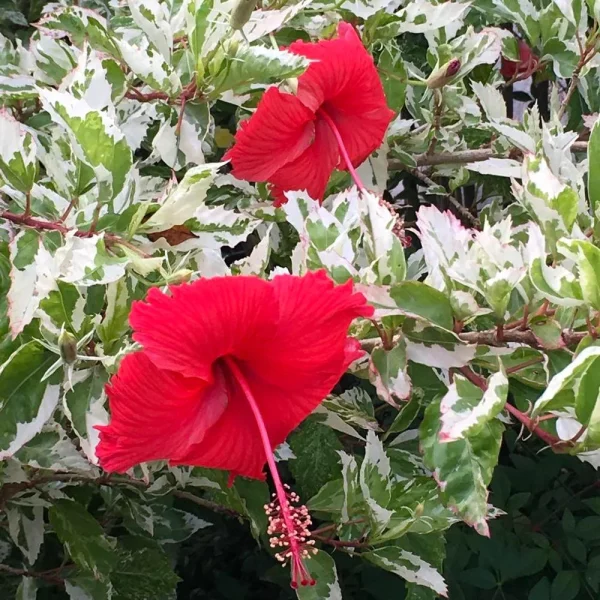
335, 120
229, 367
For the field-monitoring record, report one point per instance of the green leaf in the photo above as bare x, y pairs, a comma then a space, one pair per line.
588, 263
541, 590
412, 299
408, 413
463, 468
18, 164
26, 402
393, 77
60, 306
115, 323
594, 176
199, 10
238, 66
142, 571
83, 405
548, 332
316, 448
388, 373
322, 569
466, 409
83, 537
565, 586
173, 526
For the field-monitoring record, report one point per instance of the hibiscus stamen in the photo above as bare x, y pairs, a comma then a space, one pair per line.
288, 520
342, 148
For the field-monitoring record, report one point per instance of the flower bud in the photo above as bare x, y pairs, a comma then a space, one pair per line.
181, 276
241, 13
444, 74
67, 345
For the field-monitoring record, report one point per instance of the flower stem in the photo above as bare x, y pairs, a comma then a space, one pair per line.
300, 574
343, 151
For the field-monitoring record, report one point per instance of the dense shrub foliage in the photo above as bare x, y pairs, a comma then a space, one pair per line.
458, 456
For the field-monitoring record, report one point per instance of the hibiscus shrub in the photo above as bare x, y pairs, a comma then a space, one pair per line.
283, 283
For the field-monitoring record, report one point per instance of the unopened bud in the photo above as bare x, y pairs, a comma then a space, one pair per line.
241, 13
444, 74
181, 276
67, 345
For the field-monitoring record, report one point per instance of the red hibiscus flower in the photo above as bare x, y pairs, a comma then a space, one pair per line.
229, 367
524, 68
335, 120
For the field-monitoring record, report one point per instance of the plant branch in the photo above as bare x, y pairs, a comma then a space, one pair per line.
49, 576
8, 490
490, 337
459, 207
43, 225
462, 157
586, 54
340, 543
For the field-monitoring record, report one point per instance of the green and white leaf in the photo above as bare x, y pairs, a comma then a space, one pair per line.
238, 66
26, 402
322, 569
382, 246
375, 483
26, 528
465, 408
95, 139
463, 468
18, 164
187, 198
83, 405
388, 372
353, 406
409, 566
83, 537
51, 449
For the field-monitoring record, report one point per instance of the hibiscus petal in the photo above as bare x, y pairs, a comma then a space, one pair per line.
311, 170
279, 131
343, 81
290, 378
203, 321
155, 414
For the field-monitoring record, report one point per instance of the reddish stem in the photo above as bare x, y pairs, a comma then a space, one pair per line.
343, 151
480, 382
524, 365
299, 570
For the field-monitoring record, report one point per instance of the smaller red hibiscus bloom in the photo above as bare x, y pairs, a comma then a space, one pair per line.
335, 120
229, 367
527, 65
